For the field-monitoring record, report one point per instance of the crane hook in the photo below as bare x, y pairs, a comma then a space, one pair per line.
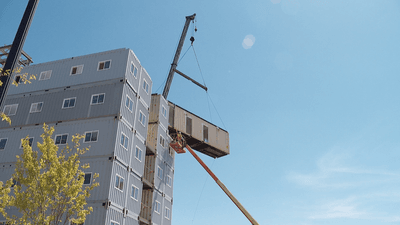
192, 39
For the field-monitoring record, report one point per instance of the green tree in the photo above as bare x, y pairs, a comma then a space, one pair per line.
47, 186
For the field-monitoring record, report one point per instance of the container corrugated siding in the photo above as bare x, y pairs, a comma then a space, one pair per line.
6, 171
120, 151
159, 183
152, 136
98, 216
61, 69
52, 110
113, 214
131, 221
125, 112
142, 129
107, 128
169, 205
103, 167
168, 190
156, 218
149, 170
154, 108
132, 204
217, 137
115, 195
133, 81
138, 165
146, 96
163, 152
147, 204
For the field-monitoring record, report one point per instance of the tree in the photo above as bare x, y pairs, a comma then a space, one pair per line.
47, 186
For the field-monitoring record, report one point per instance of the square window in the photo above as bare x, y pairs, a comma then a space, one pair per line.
142, 118
69, 103
135, 192
10, 110
30, 142
129, 103
160, 172
133, 70
138, 154
61, 139
124, 141
97, 99
36, 107
91, 136
88, 178
114, 223
104, 65
3, 142
45, 75
162, 141
119, 182
146, 86
76, 70
169, 181
157, 207
164, 111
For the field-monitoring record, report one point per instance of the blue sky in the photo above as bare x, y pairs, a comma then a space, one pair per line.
308, 90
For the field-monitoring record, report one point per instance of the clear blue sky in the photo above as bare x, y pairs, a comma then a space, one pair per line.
308, 90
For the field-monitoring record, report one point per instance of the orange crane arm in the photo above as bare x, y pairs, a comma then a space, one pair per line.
223, 187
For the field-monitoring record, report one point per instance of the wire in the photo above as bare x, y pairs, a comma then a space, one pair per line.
184, 54
198, 64
216, 111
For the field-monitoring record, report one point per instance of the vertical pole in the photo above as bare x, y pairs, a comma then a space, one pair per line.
16, 48
223, 187
177, 54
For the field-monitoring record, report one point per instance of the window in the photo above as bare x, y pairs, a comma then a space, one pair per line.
133, 70
169, 181
162, 141
88, 178
30, 142
10, 110
61, 139
167, 213
124, 141
91, 136
157, 207
189, 125
72, 223
138, 154
129, 103
205, 133
36, 107
160, 172
135, 192
164, 112
45, 75
15, 183
17, 79
142, 118
146, 86
104, 65
3, 142
97, 99
119, 182
114, 223
76, 70
69, 103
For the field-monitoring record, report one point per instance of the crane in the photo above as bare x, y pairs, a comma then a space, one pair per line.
178, 143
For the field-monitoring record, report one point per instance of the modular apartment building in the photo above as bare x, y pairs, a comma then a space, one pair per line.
107, 98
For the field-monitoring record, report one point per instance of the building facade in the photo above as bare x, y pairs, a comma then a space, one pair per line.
107, 98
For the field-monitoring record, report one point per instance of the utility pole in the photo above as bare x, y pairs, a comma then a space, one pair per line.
177, 54
16, 48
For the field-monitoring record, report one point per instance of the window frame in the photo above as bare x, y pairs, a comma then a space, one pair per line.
69, 107
90, 179
206, 140
162, 141
130, 103
104, 61
91, 99
125, 139
55, 138
135, 70
119, 182
45, 75
164, 111
169, 213
16, 109
141, 153
84, 140
169, 181
157, 207
30, 110
20, 145
77, 70
2, 149
158, 173
142, 118
133, 187
112, 222
145, 86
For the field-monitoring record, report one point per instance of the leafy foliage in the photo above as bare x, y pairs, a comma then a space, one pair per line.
47, 186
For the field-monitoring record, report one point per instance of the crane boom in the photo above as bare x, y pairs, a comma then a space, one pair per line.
177, 54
